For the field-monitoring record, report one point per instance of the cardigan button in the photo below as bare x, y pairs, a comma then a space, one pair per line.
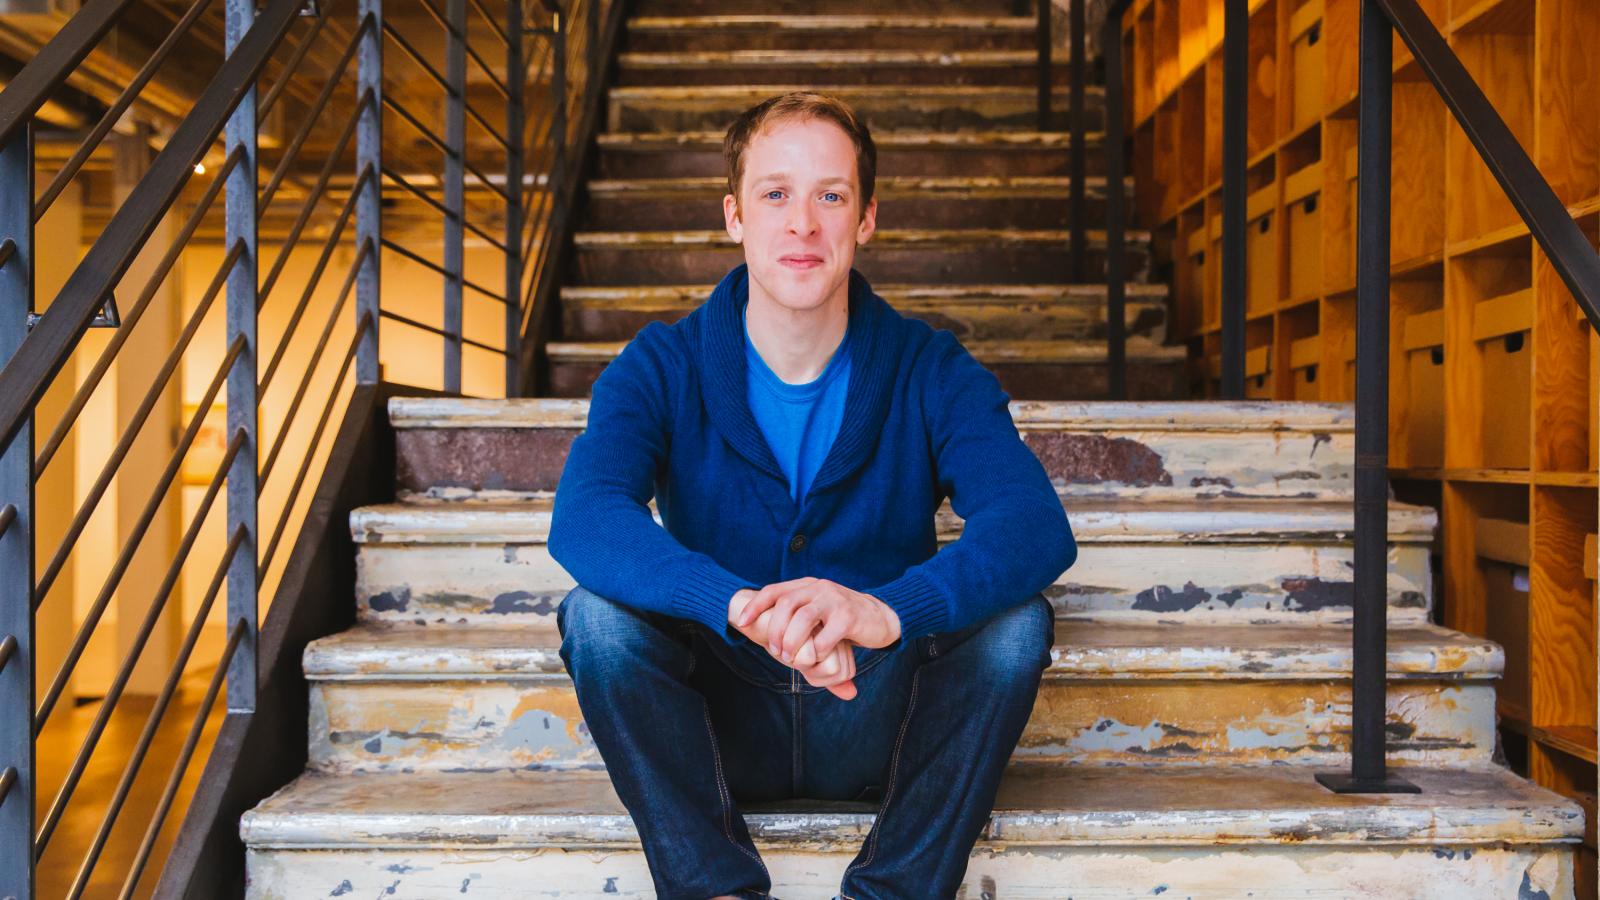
797, 543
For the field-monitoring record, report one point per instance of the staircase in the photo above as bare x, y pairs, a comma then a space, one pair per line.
1203, 666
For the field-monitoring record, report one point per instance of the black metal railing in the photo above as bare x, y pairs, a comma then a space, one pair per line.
330, 143
1562, 241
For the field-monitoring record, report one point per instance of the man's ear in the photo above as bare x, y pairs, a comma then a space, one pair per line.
869, 222
730, 217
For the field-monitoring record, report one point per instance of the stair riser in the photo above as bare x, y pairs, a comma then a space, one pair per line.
767, 38
1025, 263
498, 585
1223, 872
663, 8
609, 212
537, 723
694, 162
1032, 381
1021, 320
1156, 465
882, 75
690, 109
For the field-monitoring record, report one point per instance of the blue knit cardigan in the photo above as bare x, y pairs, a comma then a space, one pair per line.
923, 420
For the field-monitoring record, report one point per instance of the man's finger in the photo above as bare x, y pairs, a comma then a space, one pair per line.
833, 631
779, 625
800, 627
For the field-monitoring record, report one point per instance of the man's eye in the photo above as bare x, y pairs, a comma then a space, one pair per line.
832, 194
773, 191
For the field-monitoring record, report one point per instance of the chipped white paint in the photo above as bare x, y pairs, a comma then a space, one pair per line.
894, 139
1219, 833
867, 24
490, 698
884, 238
1029, 186
849, 58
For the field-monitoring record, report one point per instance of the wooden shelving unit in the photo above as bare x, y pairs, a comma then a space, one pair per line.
1493, 371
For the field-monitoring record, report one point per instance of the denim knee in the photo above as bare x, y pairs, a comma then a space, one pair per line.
1015, 645
601, 632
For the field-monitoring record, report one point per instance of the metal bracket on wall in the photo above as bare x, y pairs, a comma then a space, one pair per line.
107, 317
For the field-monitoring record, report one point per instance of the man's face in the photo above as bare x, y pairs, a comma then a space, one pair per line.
799, 212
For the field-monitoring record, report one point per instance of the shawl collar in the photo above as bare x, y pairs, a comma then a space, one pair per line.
874, 360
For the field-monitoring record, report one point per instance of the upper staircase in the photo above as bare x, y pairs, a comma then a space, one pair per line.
1202, 671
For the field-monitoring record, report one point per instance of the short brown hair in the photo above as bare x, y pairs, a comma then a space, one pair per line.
801, 105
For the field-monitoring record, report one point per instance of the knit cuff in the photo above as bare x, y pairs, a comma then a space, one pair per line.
920, 606
704, 594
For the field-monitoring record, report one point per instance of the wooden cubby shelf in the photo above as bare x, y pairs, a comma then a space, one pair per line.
1494, 372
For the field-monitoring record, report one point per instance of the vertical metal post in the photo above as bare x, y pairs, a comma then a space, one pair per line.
17, 780
455, 192
243, 587
369, 208
1116, 259
558, 120
1369, 642
1078, 209
516, 77
1042, 39
1235, 73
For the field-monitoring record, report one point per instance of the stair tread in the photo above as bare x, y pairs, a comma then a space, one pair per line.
888, 139
1192, 415
723, 93
1086, 350
867, 23
1085, 650
967, 185
1093, 521
1035, 804
894, 237
856, 57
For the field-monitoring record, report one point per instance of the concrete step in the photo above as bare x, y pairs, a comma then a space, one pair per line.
462, 698
487, 564
981, 312
807, 25
1205, 834
936, 107
1027, 369
1028, 202
854, 65
936, 256
904, 152
453, 448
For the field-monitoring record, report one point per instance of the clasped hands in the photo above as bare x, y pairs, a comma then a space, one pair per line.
783, 616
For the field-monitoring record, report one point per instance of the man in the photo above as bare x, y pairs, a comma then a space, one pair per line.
792, 631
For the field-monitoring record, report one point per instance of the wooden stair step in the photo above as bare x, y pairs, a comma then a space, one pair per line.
855, 65
901, 152
813, 28
971, 312
1205, 834
440, 696
937, 107
487, 563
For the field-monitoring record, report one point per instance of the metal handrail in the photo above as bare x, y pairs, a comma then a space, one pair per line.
261, 49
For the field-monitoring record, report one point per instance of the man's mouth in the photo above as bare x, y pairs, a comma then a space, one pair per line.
800, 261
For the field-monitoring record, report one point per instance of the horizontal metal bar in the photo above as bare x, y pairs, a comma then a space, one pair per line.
51, 66
158, 712
7, 516
7, 779
293, 64
125, 556
312, 116
308, 207
118, 107
36, 363
159, 817
1536, 202
490, 20
483, 66
407, 320
417, 57
8, 646
119, 683
8, 249
484, 124
311, 366
305, 294
425, 197
131, 430
477, 173
422, 129
130, 317
287, 509
440, 270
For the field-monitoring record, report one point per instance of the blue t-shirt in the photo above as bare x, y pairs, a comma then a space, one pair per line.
799, 421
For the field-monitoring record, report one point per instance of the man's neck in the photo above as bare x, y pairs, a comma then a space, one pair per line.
797, 344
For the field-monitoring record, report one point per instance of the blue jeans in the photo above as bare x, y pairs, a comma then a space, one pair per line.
689, 727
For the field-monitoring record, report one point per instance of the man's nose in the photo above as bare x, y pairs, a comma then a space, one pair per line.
801, 219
